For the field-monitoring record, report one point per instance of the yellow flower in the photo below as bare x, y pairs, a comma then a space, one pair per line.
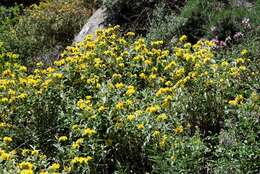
88, 97
59, 62
148, 62
7, 140
81, 160
75, 146
55, 166
224, 63
157, 43
152, 76
4, 100
75, 127
152, 109
89, 132
46, 83
22, 69
35, 152
138, 58
2, 125
162, 91
88, 100
81, 104
232, 102
183, 38
119, 85
22, 96
178, 130
4, 156
140, 126
89, 37
240, 60
58, 75
25, 152
7, 73
130, 34
242, 68
120, 105
63, 138
156, 133
79, 141
163, 141
206, 60
237, 100
26, 165
168, 83
39, 64
50, 70
162, 117
11, 92
122, 65
42, 157
122, 41
117, 76
26, 171
119, 59
179, 72
187, 45
198, 65
178, 52
234, 71
130, 90
82, 66
244, 52
130, 117
188, 57
142, 76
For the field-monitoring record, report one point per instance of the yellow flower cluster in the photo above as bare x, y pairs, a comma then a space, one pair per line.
7, 140
130, 90
89, 132
26, 165
4, 156
237, 100
63, 138
81, 160
111, 81
54, 166
153, 109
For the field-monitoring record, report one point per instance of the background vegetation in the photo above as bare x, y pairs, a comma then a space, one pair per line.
180, 94
45, 28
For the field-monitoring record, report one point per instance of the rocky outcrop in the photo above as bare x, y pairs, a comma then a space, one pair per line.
95, 22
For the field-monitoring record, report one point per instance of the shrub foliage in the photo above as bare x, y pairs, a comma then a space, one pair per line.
45, 29
116, 104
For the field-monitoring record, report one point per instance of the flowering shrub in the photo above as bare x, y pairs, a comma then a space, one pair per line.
119, 104
8, 18
45, 29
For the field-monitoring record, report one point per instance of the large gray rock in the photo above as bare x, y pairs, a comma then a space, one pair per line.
96, 21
